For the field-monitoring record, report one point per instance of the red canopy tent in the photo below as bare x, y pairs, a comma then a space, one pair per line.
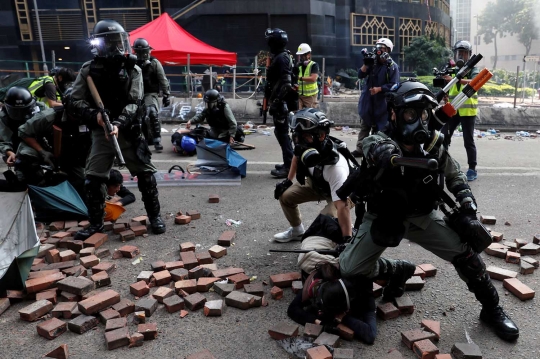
171, 44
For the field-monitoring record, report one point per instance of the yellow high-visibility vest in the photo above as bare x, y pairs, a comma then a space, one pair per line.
470, 107
307, 88
38, 85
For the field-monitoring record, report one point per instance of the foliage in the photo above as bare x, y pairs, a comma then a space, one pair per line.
523, 23
426, 52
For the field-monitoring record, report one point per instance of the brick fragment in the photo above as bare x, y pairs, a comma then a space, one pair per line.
414, 283
213, 308
196, 273
520, 242
283, 330
52, 256
149, 305
204, 257
179, 274
183, 313
51, 328
43, 249
496, 250
312, 330
56, 226
174, 265
497, 237
59, 353
205, 354
162, 277
429, 269
49, 295
223, 289
84, 224
108, 314
85, 252
213, 198
193, 214
119, 228
161, 293
42, 283
242, 300
104, 266
69, 297
124, 307
139, 288
102, 252
204, 284
182, 219
116, 323
419, 272
127, 235
35, 310
117, 338
276, 293
297, 286
499, 273
512, 257
227, 272
405, 304
129, 251
64, 310
148, 330
239, 280
136, 340
512, 246
254, 288
409, 337
4, 305
517, 288
377, 290
319, 352
328, 339
145, 276
189, 286
345, 332
526, 268
425, 349
139, 230
217, 251
340, 353
432, 326
99, 302
61, 235
443, 356
189, 259
89, 261
76, 285
226, 238
139, 317
211, 267
187, 247
96, 240
466, 351
488, 219
141, 219
284, 280
173, 303
101, 279
387, 311
67, 255
530, 249
531, 261
195, 301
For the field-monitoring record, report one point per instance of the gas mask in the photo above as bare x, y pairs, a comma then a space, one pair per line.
412, 125
212, 107
311, 151
461, 57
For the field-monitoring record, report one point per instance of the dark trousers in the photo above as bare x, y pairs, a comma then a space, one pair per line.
467, 125
281, 130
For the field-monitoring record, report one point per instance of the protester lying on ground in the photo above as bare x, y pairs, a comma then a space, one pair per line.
116, 191
185, 141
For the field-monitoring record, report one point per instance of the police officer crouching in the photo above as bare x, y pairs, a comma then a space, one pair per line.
153, 79
401, 201
219, 116
119, 83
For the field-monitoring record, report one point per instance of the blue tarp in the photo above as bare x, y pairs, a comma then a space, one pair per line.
58, 202
215, 153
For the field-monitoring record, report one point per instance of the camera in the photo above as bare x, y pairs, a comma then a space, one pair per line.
449, 69
369, 57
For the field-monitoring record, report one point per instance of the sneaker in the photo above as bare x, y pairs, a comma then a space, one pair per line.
356, 153
501, 323
281, 173
288, 236
471, 175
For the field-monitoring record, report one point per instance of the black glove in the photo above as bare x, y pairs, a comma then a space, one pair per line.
47, 157
380, 154
166, 101
120, 122
281, 187
278, 108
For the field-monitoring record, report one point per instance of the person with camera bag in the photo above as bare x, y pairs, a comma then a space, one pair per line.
401, 194
380, 73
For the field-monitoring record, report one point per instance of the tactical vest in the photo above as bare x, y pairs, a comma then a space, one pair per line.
469, 107
37, 89
217, 119
150, 78
113, 86
307, 88
317, 180
13, 126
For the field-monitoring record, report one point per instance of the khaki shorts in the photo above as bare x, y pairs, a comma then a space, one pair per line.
307, 102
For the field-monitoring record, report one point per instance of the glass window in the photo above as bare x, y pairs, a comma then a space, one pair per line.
120, 3
56, 4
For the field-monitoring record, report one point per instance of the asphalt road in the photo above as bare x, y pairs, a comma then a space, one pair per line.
507, 187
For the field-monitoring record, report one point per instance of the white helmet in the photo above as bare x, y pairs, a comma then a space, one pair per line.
386, 42
303, 49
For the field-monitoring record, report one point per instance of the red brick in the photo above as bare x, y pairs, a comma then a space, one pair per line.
512, 257
205, 354
536, 238
51, 328
108, 314
499, 273
77, 271
49, 295
157, 266
96, 240
136, 340
127, 235
213, 198
526, 268
56, 226
117, 338
432, 326
174, 265
163, 277
139, 230
161, 293
119, 227
183, 313
72, 230
52, 256
213, 308
139, 289
443, 356
182, 219
4, 305
61, 265
517, 288
429, 269
284, 280
141, 219
226, 238
419, 272
187, 247
89, 261
59, 353
193, 214
189, 260
84, 224
496, 250
173, 303
69, 224
512, 246
276, 293
530, 249
189, 286
124, 307
425, 349
328, 339
85, 252
35, 310
414, 283
204, 257
297, 286
101, 279
319, 352
387, 311
217, 251
116, 323
67, 255
239, 280
196, 273
520, 242
345, 332
43, 249
99, 302
405, 304
204, 284
64, 310
15, 296
148, 330
312, 330
283, 330
108, 226
61, 235
38, 267
102, 252
488, 219
76, 285
179, 274
69, 297
104, 266
195, 301
377, 290
148, 304
409, 337
42, 283
227, 272
254, 288
497, 237
129, 251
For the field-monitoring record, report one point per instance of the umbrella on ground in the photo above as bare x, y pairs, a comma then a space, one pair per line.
60, 202
220, 156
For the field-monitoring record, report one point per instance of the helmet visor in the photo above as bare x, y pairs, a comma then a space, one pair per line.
382, 47
419, 99
21, 114
303, 124
111, 44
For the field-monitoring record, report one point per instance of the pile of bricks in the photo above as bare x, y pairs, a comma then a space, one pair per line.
186, 218
519, 252
422, 341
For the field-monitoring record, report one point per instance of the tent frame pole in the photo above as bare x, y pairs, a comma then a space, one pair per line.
188, 78
211, 75
234, 82
255, 71
322, 79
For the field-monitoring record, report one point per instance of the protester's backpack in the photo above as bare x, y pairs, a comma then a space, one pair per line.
24, 82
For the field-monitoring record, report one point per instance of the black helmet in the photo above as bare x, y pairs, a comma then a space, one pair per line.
307, 125
109, 39
54, 71
212, 98
142, 48
277, 39
310, 120
410, 93
19, 103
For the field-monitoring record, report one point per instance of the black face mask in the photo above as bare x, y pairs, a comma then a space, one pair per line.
412, 125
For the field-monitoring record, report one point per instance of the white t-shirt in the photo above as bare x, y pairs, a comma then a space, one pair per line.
335, 175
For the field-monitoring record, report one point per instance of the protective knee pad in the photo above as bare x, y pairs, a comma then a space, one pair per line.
147, 184
470, 267
155, 124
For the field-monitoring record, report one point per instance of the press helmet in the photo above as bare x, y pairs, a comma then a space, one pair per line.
19, 104
303, 49
109, 39
386, 42
277, 39
142, 49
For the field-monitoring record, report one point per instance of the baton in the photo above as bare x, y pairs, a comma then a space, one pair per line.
423, 163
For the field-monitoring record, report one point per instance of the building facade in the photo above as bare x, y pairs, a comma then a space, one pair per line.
336, 29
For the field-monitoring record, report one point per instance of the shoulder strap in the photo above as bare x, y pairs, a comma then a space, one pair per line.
342, 148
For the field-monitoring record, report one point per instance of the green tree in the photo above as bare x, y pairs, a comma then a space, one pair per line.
425, 53
523, 23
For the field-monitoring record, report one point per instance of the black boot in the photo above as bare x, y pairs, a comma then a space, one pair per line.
280, 166
397, 272
472, 269
280, 173
95, 191
155, 128
148, 187
157, 144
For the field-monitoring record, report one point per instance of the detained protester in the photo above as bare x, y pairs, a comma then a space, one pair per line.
116, 191
50, 89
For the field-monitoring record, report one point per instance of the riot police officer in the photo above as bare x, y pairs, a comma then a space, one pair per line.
280, 95
119, 82
153, 79
401, 201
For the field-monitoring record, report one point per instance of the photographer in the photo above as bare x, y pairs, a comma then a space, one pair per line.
381, 73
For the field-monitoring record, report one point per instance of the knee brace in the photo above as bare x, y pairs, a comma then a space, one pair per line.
471, 268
